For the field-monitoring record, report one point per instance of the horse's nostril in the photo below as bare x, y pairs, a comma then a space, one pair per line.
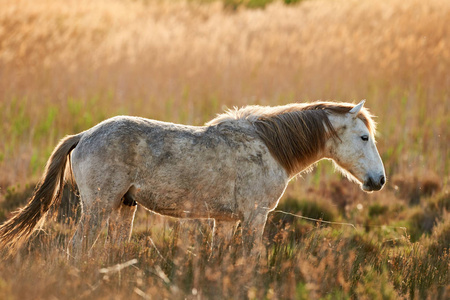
382, 180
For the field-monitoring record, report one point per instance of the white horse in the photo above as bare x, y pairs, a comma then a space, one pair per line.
234, 169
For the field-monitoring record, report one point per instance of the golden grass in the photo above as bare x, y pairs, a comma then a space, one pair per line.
66, 65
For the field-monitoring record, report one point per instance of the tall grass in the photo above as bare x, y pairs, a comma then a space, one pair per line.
66, 65
324, 262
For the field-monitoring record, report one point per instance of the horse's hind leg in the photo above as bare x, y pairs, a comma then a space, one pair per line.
93, 220
120, 223
97, 206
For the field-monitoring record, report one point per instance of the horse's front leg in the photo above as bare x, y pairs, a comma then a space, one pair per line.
222, 236
252, 232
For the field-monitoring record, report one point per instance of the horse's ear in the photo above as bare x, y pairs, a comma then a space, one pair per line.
355, 110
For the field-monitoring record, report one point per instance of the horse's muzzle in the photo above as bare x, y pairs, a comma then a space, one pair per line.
374, 184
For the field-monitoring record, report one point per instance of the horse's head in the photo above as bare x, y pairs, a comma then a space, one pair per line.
354, 148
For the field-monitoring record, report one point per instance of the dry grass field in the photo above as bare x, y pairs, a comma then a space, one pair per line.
67, 65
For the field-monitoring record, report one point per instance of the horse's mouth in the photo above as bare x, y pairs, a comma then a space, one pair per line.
371, 185
367, 189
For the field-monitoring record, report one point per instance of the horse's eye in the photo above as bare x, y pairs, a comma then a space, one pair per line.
365, 138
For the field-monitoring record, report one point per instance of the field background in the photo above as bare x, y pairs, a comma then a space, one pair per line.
67, 65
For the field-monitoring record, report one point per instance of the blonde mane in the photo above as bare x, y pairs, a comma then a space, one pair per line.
294, 133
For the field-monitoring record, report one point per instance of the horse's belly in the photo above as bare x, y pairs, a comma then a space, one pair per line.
189, 202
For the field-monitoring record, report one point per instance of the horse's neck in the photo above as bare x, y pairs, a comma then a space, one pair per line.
327, 152
306, 166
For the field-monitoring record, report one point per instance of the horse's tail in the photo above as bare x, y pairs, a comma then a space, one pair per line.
48, 192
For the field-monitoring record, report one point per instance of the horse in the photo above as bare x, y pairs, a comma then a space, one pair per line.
234, 169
